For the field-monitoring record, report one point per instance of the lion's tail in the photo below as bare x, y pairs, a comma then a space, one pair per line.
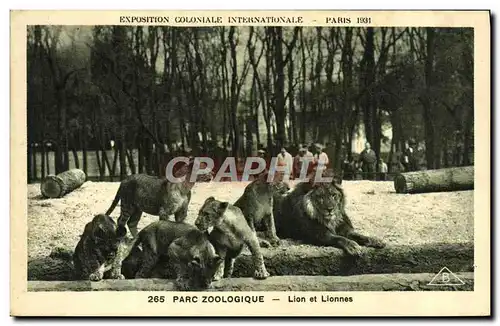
115, 201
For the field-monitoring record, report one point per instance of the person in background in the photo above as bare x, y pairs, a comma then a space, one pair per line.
382, 167
320, 158
297, 163
368, 160
409, 157
261, 153
309, 156
286, 159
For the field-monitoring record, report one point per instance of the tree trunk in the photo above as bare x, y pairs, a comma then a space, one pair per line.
349, 122
100, 166
259, 93
255, 111
75, 158
115, 160
279, 88
268, 92
105, 161
369, 111
397, 131
428, 103
140, 152
47, 159
83, 143
131, 163
468, 140
291, 103
58, 153
234, 93
122, 146
451, 179
56, 186
43, 159
303, 101
30, 156
123, 160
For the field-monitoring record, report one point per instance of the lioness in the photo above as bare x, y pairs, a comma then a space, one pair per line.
230, 233
186, 248
315, 213
97, 250
156, 196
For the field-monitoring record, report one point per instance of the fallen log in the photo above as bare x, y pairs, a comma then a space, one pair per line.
373, 282
311, 260
50, 269
56, 186
450, 179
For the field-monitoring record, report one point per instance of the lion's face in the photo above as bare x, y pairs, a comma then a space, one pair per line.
203, 265
103, 232
198, 258
211, 214
327, 198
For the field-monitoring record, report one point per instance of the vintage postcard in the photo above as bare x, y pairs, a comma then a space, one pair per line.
250, 163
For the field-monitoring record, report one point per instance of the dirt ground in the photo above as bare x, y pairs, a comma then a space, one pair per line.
374, 208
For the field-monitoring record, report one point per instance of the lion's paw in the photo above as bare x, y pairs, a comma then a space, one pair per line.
352, 248
261, 274
116, 275
376, 243
275, 241
182, 284
264, 243
95, 277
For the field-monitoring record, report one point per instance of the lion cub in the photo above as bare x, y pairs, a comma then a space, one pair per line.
186, 248
231, 232
257, 202
140, 193
96, 251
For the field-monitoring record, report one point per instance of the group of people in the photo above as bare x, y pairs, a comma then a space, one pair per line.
370, 168
314, 154
368, 165
365, 166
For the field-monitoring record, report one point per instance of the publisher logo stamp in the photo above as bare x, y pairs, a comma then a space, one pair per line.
446, 277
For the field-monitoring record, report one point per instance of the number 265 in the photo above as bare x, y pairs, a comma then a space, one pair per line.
156, 298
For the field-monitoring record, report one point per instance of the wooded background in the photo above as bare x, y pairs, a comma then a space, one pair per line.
157, 91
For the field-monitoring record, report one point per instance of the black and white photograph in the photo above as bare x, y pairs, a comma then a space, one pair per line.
267, 156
